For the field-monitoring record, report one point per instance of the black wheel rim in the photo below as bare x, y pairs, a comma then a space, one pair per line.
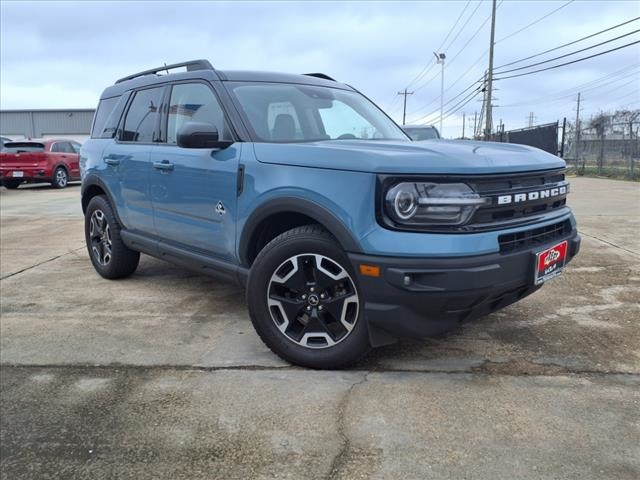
313, 301
100, 236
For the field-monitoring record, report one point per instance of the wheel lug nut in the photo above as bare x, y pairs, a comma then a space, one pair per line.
308, 307
312, 289
304, 296
320, 307
322, 296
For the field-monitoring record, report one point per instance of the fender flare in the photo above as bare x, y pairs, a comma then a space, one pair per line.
317, 212
94, 180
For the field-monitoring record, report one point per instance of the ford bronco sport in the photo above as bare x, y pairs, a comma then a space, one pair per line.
345, 233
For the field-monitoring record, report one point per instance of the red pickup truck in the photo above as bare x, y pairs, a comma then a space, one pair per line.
56, 161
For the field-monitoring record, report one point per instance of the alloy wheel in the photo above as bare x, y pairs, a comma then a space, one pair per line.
100, 235
313, 300
61, 178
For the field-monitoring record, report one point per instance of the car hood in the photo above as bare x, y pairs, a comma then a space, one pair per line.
432, 157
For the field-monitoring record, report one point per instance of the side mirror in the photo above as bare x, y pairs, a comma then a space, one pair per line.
200, 135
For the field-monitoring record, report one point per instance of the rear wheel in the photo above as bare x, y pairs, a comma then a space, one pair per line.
11, 184
304, 301
109, 255
60, 178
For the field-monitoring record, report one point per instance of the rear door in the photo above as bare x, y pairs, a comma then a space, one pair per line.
64, 153
193, 190
128, 159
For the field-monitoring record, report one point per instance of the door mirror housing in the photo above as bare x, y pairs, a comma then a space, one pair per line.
200, 135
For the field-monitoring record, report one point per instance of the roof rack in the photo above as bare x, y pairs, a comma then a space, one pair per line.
191, 66
320, 75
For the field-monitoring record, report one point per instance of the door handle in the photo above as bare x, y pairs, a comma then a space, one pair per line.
111, 160
165, 165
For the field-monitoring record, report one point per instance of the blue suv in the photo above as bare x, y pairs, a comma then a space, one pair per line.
345, 233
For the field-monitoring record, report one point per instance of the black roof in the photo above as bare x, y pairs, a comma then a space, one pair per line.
204, 70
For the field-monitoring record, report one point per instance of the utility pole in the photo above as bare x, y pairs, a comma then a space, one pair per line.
488, 126
564, 129
577, 152
463, 118
440, 59
475, 124
404, 109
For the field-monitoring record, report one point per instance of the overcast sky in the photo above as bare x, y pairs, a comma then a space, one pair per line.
63, 54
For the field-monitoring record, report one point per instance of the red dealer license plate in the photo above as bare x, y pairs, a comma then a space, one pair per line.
549, 262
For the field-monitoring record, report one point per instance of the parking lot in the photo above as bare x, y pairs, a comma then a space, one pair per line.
162, 376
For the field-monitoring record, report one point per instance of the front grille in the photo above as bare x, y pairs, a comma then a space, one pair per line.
513, 242
496, 214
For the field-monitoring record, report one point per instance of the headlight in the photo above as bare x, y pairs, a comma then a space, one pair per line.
423, 203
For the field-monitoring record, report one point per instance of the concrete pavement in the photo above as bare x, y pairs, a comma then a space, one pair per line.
161, 375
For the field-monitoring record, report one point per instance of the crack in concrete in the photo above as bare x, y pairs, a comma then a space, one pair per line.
341, 458
484, 369
611, 244
9, 275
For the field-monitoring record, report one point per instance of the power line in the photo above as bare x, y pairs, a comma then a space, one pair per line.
463, 27
592, 85
464, 46
570, 63
535, 21
570, 43
461, 105
454, 108
474, 84
426, 68
569, 54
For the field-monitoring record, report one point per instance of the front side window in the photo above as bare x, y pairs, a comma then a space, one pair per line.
292, 113
194, 102
141, 122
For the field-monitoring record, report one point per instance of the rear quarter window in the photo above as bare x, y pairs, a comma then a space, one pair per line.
107, 117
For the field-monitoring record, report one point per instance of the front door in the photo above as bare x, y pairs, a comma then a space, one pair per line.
193, 190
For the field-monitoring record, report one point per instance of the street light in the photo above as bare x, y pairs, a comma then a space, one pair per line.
440, 59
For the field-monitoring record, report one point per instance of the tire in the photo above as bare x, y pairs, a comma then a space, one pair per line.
60, 178
109, 255
11, 184
304, 300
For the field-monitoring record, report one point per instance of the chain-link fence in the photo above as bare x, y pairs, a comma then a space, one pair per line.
615, 158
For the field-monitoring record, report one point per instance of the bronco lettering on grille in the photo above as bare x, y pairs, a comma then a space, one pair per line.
531, 196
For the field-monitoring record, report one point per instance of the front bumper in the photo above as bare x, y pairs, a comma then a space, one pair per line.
442, 293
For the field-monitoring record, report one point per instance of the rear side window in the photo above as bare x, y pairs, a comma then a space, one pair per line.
62, 147
141, 122
105, 108
17, 147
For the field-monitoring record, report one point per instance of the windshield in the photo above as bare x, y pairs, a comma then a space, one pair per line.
281, 112
421, 133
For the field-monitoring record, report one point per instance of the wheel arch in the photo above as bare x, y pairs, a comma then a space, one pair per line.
279, 215
93, 186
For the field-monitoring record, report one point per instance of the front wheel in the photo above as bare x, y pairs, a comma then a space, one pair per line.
60, 178
304, 301
109, 255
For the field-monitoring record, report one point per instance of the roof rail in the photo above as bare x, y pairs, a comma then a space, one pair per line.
190, 65
320, 75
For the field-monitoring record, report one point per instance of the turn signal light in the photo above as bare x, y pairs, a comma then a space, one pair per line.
370, 270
